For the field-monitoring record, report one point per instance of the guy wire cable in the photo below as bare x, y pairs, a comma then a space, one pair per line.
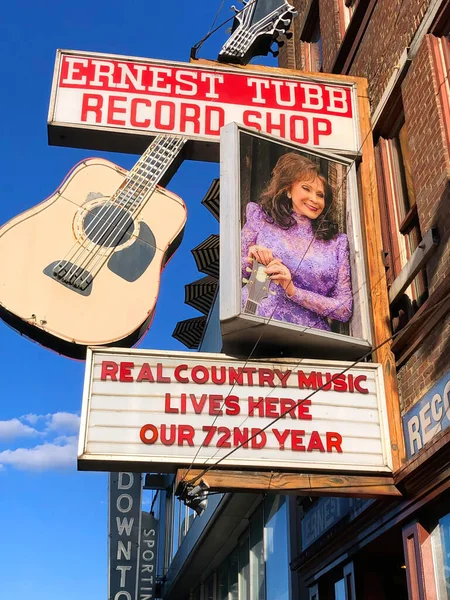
299, 403
298, 266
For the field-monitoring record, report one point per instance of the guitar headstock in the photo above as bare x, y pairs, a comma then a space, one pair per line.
255, 28
258, 285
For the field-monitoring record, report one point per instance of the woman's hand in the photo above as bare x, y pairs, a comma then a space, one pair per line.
280, 274
261, 254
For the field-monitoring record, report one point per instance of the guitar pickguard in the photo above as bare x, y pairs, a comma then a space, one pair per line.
131, 262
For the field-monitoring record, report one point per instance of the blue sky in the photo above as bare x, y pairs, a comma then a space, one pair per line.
52, 518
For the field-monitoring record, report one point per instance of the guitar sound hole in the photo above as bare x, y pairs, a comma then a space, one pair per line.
108, 226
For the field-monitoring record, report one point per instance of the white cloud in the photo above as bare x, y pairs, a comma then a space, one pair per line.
14, 428
63, 422
31, 418
43, 457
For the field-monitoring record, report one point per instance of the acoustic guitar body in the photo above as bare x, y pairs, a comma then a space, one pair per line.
76, 271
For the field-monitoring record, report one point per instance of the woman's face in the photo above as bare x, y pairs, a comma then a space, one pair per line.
308, 198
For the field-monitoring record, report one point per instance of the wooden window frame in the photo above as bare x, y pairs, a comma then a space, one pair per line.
441, 60
419, 562
314, 592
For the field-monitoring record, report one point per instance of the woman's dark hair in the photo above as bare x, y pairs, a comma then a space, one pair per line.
289, 169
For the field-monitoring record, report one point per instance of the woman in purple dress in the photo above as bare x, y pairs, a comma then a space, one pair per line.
303, 255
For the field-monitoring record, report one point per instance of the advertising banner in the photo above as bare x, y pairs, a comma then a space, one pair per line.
97, 95
125, 499
168, 410
294, 275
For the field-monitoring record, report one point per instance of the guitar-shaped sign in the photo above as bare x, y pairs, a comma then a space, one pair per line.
83, 267
258, 286
255, 28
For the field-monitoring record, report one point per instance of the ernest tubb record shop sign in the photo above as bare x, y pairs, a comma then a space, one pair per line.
169, 410
96, 98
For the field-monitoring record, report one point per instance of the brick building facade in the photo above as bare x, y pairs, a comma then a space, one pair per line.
391, 549
274, 547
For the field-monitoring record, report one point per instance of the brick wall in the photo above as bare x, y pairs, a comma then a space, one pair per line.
391, 28
290, 56
426, 366
329, 28
430, 159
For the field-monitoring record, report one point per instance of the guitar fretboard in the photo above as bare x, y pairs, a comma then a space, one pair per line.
147, 172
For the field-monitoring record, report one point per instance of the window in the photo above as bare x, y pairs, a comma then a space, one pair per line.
312, 51
276, 548
441, 557
311, 40
346, 10
400, 222
441, 57
258, 568
257, 583
314, 592
181, 518
244, 569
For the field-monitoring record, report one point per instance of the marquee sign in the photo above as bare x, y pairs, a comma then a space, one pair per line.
98, 97
169, 410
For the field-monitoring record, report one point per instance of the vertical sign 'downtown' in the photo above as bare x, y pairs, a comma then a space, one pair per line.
125, 498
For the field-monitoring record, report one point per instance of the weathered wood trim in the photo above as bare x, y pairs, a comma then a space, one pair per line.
377, 277
316, 484
417, 261
440, 442
422, 323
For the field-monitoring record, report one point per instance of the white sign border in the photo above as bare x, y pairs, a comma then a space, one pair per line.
271, 72
111, 461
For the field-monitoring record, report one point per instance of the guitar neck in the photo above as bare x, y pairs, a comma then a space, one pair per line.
148, 171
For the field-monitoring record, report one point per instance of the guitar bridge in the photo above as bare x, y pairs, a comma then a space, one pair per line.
70, 276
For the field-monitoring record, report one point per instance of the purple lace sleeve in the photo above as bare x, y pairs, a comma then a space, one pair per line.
250, 232
339, 304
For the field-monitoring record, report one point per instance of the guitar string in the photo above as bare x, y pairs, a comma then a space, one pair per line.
75, 268
113, 202
102, 258
313, 393
118, 202
200, 43
322, 218
134, 209
252, 32
110, 202
306, 328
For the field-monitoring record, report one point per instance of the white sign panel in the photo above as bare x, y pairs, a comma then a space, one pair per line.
172, 409
110, 93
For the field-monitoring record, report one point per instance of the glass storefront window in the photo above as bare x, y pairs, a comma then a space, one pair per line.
257, 584
339, 590
441, 555
276, 549
175, 525
233, 576
244, 571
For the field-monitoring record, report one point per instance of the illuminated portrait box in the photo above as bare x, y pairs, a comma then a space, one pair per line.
292, 273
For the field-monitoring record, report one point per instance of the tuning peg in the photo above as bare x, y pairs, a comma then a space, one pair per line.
289, 34
236, 10
274, 53
278, 33
244, 280
285, 22
279, 43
